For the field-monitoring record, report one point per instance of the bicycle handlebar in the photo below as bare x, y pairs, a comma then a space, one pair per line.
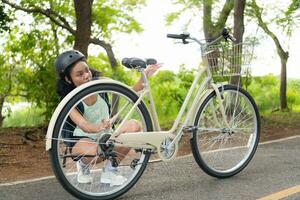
184, 36
180, 36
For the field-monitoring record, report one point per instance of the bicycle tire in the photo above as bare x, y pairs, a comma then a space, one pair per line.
212, 150
55, 152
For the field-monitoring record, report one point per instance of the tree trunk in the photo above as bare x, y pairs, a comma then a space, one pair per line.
82, 34
208, 26
283, 83
238, 32
284, 55
109, 51
239, 8
2, 99
214, 29
83, 10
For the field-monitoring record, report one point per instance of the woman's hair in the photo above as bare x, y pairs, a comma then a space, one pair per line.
63, 88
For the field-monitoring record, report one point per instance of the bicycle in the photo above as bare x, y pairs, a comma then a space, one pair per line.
223, 122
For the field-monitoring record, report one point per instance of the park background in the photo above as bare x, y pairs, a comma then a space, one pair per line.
34, 32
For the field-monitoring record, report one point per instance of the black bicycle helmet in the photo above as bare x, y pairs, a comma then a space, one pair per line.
67, 59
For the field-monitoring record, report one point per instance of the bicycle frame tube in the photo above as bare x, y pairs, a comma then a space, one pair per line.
151, 101
116, 132
192, 109
154, 139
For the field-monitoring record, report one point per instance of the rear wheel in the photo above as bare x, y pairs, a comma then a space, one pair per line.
223, 150
130, 165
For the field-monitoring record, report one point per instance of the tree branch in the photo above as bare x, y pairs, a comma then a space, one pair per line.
62, 22
16, 95
98, 42
210, 30
207, 21
108, 49
228, 6
258, 13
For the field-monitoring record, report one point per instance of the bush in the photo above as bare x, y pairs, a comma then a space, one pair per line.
169, 90
25, 116
265, 91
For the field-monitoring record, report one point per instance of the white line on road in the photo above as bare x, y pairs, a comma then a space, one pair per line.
27, 181
50, 177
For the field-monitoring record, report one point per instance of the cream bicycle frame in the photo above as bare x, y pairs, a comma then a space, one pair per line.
153, 140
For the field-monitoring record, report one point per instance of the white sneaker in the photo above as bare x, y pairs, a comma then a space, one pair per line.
112, 178
84, 175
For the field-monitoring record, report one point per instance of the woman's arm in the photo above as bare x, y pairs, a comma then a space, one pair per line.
149, 72
87, 127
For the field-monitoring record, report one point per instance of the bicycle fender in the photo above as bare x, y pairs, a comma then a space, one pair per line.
65, 100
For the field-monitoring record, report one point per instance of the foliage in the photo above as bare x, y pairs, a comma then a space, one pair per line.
101, 64
214, 14
29, 64
290, 17
286, 18
174, 88
264, 90
30, 48
4, 20
114, 16
34, 43
107, 16
11, 73
19, 118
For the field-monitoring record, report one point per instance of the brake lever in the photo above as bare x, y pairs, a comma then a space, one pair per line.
184, 41
177, 42
231, 38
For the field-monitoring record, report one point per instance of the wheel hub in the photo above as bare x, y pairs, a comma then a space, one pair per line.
227, 131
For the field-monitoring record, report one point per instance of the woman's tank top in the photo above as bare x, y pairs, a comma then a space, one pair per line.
93, 114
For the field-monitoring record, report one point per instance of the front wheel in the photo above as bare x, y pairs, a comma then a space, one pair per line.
116, 101
225, 143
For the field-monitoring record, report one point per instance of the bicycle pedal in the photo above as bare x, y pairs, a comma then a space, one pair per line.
149, 151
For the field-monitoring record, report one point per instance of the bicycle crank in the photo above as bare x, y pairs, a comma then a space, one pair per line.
168, 152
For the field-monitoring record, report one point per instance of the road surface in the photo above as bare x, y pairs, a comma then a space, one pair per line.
274, 170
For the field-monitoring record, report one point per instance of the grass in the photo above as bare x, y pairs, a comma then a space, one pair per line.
283, 118
24, 117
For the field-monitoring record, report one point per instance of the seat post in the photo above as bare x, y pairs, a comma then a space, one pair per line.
151, 101
144, 77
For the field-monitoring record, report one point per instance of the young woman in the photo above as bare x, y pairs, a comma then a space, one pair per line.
73, 71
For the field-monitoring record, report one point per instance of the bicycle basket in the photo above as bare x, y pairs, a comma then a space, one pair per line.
228, 59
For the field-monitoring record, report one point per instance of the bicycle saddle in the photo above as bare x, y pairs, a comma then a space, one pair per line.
137, 62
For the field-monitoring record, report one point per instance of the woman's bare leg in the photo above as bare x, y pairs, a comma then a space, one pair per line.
129, 126
89, 147
85, 147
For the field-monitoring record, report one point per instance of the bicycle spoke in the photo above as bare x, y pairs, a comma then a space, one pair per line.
81, 145
223, 150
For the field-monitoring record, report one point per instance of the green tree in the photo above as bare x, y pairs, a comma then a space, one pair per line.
54, 25
28, 73
84, 21
213, 21
4, 19
285, 21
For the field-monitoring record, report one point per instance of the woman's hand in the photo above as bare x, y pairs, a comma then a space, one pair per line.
104, 124
151, 69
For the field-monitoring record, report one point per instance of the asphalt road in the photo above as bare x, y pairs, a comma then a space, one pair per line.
275, 167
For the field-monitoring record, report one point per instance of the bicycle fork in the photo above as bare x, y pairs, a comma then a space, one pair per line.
220, 97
